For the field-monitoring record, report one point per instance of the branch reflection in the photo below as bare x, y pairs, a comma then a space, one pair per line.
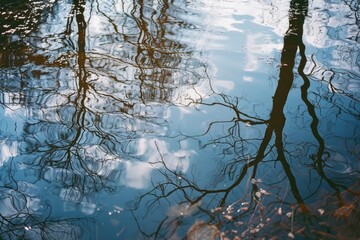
87, 90
90, 98
248, 213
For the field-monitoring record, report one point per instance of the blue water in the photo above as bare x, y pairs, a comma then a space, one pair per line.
175, 120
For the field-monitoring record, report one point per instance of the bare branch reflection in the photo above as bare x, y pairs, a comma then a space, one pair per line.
89, 90
90, 98
215, 205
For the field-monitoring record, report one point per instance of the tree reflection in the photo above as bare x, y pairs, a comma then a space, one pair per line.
77, 138
337, 69
93, 91
216, 206
86, 101
67, 151
24, 216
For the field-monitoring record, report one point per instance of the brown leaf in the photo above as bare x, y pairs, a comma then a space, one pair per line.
344, 211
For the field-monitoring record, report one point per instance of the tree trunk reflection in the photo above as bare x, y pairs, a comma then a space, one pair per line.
274, 128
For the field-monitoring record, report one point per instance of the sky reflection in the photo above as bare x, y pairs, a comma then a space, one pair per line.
155, 119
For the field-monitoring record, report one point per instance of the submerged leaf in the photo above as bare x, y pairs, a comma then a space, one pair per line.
344, 211
201, 230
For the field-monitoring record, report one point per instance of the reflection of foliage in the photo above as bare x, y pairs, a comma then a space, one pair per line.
19, 18
12, 22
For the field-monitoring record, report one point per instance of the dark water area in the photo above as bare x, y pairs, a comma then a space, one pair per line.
169, 119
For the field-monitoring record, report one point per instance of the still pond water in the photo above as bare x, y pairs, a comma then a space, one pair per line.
174, 119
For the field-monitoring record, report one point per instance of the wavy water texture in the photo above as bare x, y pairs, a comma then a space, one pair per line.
164, 119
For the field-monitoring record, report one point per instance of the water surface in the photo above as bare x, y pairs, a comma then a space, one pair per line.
174, 119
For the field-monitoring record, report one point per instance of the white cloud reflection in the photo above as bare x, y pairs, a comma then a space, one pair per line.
223, 85
156, 150
154, 153
136, 175
225, 13
8, 150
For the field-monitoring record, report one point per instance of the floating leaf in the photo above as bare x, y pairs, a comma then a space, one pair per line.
255, 181
321, 211
263, 191
244, 209
291, 235
344, 211
228, 217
